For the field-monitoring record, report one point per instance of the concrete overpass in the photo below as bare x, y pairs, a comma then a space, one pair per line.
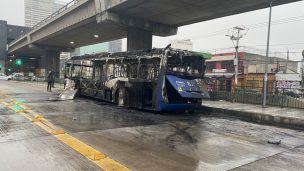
87, 22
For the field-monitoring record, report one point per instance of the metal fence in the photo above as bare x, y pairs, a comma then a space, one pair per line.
287, 97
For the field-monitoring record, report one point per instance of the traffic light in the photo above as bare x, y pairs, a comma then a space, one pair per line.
18, 62
0, 67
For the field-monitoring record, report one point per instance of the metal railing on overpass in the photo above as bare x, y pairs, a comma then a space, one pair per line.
50, 17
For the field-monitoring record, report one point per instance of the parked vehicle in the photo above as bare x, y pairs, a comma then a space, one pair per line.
158, 80
18, 76
5, 77
39, 79
294, 93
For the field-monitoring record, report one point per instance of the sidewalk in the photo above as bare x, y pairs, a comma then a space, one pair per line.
57, 85
284, 117
58, 88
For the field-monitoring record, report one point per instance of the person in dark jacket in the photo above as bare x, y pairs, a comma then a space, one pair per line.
65, 82
53, 81
49, 81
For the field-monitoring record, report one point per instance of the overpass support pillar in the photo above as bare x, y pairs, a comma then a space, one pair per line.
50, 62
138, 39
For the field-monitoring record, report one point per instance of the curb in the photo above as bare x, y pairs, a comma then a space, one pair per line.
267, 119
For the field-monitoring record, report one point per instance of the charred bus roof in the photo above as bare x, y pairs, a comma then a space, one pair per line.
140, 54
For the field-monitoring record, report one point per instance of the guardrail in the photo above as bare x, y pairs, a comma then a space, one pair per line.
53, 15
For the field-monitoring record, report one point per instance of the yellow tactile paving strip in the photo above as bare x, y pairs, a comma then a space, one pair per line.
95, 156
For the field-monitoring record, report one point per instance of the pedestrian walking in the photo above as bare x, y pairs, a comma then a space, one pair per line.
49, 82
65, 82
53, 79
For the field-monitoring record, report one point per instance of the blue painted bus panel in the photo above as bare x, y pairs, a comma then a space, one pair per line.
186, 88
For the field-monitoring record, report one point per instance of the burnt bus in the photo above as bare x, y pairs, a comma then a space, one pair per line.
158, 79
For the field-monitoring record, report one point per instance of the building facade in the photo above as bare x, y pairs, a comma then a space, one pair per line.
220, 71
8, 33
182, 44
38, 10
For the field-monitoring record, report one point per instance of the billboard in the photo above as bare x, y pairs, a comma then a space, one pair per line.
288, 81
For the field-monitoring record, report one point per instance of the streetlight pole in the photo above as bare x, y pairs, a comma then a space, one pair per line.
303, 69
267, 57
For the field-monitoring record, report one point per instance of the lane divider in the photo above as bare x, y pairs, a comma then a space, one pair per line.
95, 156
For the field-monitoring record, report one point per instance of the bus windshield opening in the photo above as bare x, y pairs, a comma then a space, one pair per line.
186, 66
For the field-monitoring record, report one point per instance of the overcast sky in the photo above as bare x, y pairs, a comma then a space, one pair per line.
287, 30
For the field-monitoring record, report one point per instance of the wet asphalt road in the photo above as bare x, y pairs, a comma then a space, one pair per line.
139, 140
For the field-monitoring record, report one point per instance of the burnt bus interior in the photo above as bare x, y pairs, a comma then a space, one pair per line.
131, 78
126, 80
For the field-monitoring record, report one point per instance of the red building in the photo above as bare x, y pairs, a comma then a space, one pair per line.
251, 68
220, 70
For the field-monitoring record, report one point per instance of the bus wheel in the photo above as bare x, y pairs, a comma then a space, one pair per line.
119, 97
191, 111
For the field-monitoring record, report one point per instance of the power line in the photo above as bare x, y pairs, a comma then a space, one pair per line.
283, 44
277, 22
232, 48
274, 60
252, 26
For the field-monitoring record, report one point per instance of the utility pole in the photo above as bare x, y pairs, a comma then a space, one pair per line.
267, 56
286, 65
278, 66
235, 37
303, 69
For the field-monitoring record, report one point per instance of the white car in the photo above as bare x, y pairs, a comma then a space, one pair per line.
5, 77
18, 76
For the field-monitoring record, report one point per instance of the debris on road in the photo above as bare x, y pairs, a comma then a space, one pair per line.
275, 142
69, 92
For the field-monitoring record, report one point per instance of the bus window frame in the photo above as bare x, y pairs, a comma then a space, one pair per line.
124, 67
199, 64
151, 63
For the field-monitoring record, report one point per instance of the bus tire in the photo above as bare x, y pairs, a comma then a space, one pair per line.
191, 111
